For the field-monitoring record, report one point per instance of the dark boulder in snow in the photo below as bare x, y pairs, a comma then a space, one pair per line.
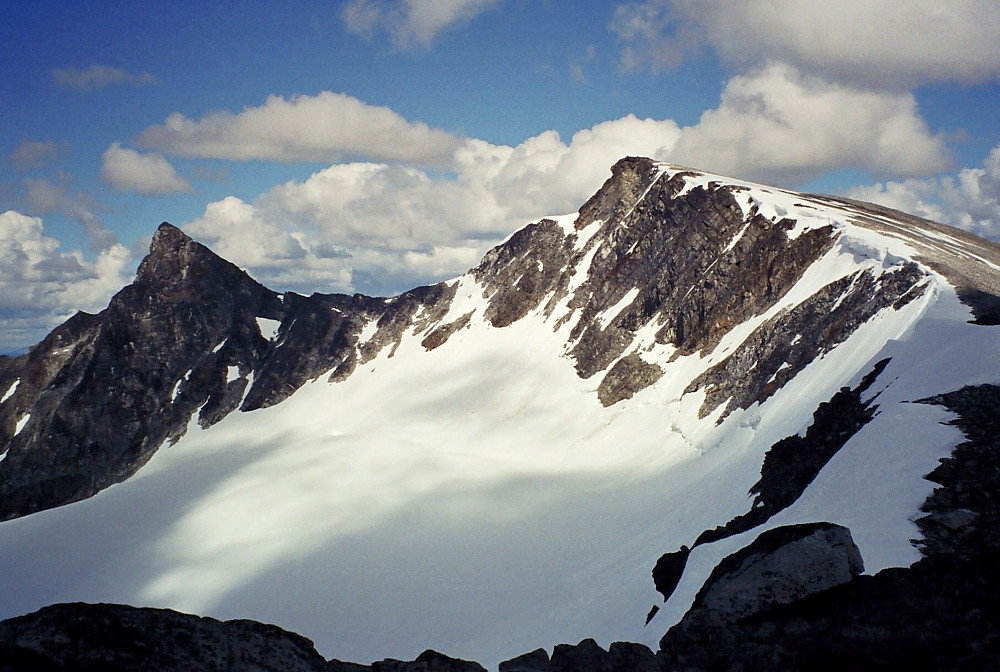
781, 566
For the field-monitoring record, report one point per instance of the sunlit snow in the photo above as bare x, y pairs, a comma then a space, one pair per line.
21, 423
10, 391
268, 327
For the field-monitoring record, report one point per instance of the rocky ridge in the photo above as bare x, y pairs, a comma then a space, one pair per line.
99, 637
656, 266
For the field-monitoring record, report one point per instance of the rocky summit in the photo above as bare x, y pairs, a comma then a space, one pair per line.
779, 404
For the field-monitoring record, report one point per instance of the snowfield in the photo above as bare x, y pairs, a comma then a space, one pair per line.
477, 499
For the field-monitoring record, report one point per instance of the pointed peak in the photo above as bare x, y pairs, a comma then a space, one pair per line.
171, 250
630, 177
169, 236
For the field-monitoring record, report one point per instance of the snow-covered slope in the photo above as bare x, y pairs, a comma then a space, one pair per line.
503, 472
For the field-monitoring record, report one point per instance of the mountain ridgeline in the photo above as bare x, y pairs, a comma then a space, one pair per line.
791, 355
99, 395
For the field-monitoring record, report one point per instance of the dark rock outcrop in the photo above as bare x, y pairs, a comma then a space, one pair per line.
103, 637
428, 661
784, 345
97, 397
533, 661
792, 463
668, 571
587, 656
781, 566
941, 613
629, 375
102, 392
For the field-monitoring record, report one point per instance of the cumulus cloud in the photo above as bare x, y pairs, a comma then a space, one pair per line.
33, 154
777, 125
969, 199
41, 286
97, 77
895, 43
409, 23
325, 127
128, 170
381, 228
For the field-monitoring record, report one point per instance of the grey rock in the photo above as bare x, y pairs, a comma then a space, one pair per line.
533, 661
629, 375
104, 637
588, 656
428, 661
783, 565
519, 274
784, 345
104, 391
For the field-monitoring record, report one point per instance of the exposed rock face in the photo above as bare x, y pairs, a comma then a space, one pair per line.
527, 662
940, 613
587, 656
668, 570
781, 566
780, 348
114, 637
104, 391
794, 462
101, 637
699, 264
963, 515
101, 393
317, 334
428, 661
522, 272
629, 375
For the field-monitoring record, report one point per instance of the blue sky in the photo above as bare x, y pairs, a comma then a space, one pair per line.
373, 145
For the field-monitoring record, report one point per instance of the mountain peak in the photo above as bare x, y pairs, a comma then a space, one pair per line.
171, 251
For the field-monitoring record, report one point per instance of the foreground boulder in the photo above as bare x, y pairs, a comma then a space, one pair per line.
781, 566
103, 637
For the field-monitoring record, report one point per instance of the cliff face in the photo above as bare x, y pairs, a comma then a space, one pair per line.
193, 337
100, 394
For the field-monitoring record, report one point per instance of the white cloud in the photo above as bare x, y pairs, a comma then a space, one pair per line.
97, 77
41, 286
325, 127
128, 170
777, 125
385, 227
969, 199
381, 228
895, 43
410, 23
